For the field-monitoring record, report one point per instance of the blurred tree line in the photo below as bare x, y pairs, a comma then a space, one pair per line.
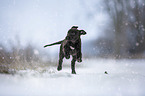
125, 34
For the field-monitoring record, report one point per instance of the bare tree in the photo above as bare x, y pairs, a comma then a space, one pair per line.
116, 11
137, 24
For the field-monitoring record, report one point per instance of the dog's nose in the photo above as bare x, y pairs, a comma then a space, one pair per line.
84, 33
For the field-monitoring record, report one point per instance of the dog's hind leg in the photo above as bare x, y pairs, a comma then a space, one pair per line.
73, 65
61, 56
59, 67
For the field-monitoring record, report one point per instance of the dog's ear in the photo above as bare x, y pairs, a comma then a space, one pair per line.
74, 27
82, 32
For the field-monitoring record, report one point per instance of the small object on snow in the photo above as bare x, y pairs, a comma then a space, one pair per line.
106, 72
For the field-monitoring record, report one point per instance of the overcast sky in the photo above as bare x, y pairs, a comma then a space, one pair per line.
46, 21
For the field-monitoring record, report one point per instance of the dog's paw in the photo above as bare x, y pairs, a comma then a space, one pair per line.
73, 72
79, 60
59, 68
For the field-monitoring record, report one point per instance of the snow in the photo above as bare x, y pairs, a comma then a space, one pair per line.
137, 44
36, 52
124, 78
1, 48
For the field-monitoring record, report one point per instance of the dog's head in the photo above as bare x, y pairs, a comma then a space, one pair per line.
74, 34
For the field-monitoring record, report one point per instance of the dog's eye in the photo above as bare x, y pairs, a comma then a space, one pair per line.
73, 33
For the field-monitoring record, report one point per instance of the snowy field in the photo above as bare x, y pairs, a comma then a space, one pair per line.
124, 78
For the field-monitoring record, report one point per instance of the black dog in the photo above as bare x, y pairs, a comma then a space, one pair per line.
71, 45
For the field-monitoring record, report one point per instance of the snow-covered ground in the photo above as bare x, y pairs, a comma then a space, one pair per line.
124, 78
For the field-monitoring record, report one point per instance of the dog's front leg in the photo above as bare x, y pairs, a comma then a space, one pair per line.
73, 65
79, 57
67, 51
79, 53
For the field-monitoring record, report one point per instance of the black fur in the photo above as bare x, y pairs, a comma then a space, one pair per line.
71, 45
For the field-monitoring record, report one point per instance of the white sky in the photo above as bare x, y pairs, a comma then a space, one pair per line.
46, 21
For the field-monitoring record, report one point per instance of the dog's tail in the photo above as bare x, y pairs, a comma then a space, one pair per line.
59, 42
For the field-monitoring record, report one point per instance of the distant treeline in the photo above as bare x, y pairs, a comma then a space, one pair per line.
125, 34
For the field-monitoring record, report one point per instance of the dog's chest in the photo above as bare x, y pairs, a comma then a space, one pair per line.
73, 51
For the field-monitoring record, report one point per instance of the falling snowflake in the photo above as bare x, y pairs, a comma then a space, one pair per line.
1, 48
131, 17
94, 48
137, 44
135, 26
36, 52
141, 26
126, 24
